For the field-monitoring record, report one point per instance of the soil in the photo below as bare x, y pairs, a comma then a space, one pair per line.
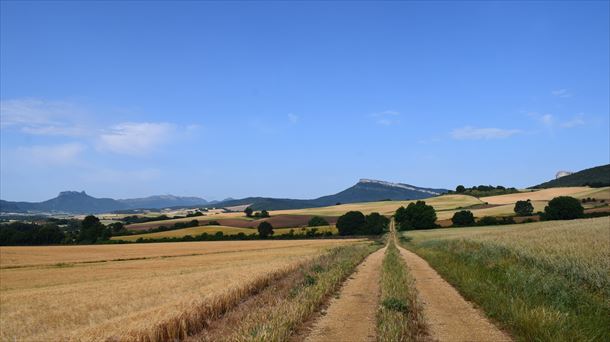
352, 315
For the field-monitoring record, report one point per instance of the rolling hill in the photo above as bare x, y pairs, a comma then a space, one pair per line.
596, 177
366, 190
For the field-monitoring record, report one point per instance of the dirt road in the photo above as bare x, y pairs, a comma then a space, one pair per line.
352, 316
449, 316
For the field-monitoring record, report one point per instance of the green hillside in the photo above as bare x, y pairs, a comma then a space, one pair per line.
596, 177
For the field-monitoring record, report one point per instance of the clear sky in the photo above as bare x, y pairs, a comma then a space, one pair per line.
299, 99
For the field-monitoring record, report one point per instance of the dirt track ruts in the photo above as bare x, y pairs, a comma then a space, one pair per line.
352, 316
449, 316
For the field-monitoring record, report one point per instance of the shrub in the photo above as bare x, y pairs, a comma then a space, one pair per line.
351, 223
416, 215
563, 208
463, 218
248, 212
524, 208
488, 221
317, 221
375, 224
265, 229
264, 213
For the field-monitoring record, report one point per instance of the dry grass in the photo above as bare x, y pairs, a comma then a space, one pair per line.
226, 230
445, 202
72, 298
193, 231
400, 316
546, 194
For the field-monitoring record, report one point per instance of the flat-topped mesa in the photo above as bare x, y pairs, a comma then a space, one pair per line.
397, 185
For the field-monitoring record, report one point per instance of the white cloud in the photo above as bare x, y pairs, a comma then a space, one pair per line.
472, 133
135, 138
51, 154
564, 93
41, 117
551, 121
386, 118
547, 119
293, 118
578, 120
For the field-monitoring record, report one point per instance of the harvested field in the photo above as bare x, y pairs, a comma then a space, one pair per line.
548, 194
70, 297
445, 202
224, 229
280, 221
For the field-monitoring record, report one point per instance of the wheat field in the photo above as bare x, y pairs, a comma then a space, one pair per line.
99, 292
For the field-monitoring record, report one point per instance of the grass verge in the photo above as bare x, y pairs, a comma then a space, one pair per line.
533, 301
400, 315
275, 313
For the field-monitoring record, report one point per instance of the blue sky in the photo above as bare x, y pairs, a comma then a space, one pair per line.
128, 99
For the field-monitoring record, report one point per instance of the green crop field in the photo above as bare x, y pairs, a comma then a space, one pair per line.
541, 281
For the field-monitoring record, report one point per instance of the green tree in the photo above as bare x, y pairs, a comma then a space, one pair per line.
92, 230
248, 212
376, 224
351, 223
416, 215
524, 208
265, 229
563, 208
460, 189
264, 213
317, 221
463, 218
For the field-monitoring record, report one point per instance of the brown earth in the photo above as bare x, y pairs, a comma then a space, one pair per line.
449, 316
279, 221
352, 316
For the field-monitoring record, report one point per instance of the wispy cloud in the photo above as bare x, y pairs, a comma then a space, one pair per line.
577, 120
135, 138
564, 93
51, 154
41, 117
552, 121
473, 133
293, 118
386, 118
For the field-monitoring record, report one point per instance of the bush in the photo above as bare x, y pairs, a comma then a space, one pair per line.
264, 213
375, 224
317, 221
416, 215
265, 229
563, 208
351, 223
524, 208
463, 218
488, 221
248, 212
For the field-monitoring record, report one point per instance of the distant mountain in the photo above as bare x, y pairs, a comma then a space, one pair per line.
366, 190
596, 176
75, 202
66, 202
162, 201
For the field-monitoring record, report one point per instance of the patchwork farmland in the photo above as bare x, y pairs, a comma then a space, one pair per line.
404, 285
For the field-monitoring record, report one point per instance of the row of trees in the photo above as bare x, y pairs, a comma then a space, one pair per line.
250, 213
559, 208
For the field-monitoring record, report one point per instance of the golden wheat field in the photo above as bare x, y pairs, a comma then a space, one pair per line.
113, 291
